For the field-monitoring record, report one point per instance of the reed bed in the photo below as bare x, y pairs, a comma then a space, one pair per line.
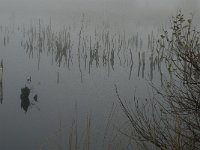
90, 48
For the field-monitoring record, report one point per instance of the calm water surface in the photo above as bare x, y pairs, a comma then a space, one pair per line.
74, 53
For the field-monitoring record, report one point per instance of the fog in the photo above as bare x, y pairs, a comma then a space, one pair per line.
114, 6
112, 44
117, 11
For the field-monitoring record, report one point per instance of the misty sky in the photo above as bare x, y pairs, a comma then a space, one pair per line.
92, 4
117, 8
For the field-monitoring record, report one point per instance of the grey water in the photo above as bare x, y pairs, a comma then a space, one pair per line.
70, 54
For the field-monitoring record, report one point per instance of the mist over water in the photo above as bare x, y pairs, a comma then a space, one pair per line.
74, 52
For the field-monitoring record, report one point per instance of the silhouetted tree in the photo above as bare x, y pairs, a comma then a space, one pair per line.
171, 118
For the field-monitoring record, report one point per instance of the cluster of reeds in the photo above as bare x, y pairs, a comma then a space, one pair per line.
89, 47
101, 47
6, 32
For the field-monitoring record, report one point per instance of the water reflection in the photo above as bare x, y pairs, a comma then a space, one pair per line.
86, 51
89, 48
25, 94
1, 82
101, 47
1, 92
58, 77
6, 38
25, 102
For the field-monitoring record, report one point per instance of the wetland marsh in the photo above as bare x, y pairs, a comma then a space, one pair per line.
61, 61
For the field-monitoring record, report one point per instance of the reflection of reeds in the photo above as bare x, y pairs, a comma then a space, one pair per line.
131, 67
78, 138
139, 63
143, 64
6, 35
101, 47
75, 142
88, 47
80, 135
1, 82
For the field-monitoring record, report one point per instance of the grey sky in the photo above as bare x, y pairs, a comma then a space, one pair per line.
128, 8
92, 4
